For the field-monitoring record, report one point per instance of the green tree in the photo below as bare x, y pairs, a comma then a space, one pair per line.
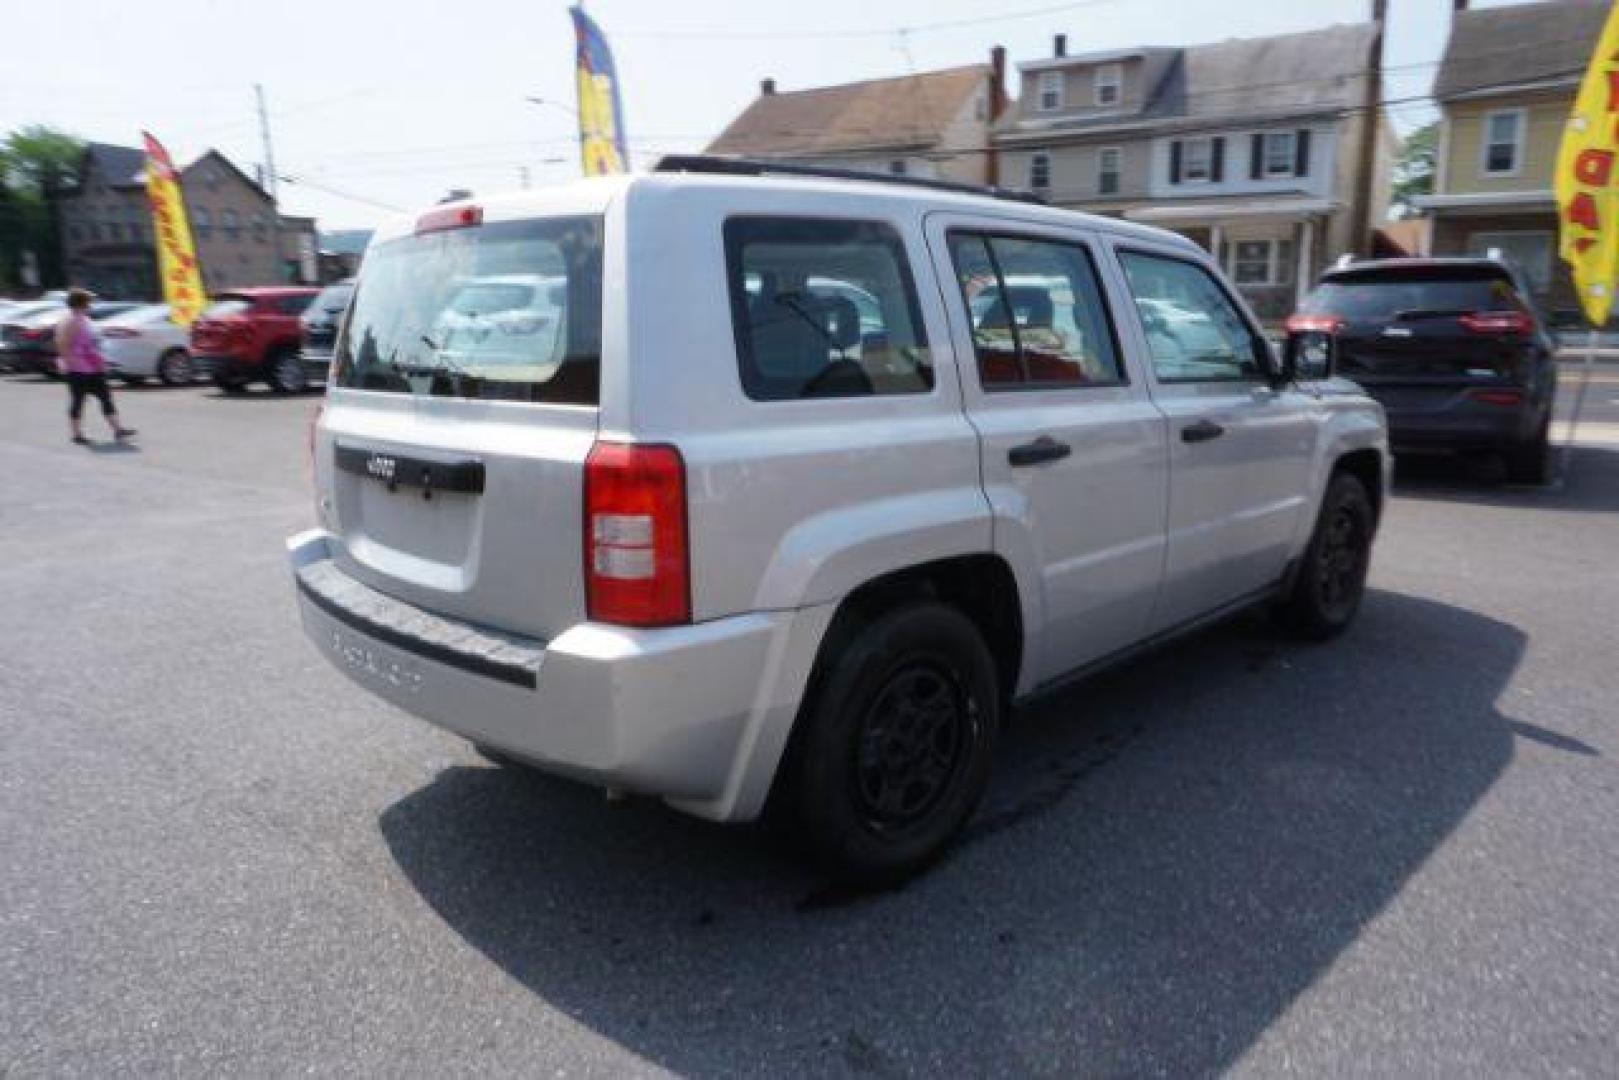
38, 165
1415, 167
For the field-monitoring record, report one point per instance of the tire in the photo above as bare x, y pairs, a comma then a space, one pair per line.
174, 368
284, 372
132, 380
895, 746
1530, 462
1331, 577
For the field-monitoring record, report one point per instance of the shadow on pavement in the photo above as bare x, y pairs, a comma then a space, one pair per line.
1172, 853
1589, 481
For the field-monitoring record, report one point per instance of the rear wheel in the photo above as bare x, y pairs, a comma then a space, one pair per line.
1331, 577
896, 746
1530, 462
174, 367
285, 372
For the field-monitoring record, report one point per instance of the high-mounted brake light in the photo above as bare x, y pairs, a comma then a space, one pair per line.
1497, 322
449, 217
637, 566
1320, 324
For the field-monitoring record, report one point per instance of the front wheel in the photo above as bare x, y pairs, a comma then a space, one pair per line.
285, 372
896, 746
1331, 578
174, 368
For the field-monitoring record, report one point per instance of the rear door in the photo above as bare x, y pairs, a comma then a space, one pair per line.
1073, 450
452, 479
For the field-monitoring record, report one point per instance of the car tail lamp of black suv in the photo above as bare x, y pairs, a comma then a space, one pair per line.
1452, 348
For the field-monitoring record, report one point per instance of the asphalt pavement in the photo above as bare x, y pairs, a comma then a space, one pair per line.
1393, 854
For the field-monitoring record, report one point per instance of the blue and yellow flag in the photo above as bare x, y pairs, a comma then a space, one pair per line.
601, 120
1587, 180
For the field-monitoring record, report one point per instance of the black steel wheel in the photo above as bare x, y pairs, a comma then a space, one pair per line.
1331, 579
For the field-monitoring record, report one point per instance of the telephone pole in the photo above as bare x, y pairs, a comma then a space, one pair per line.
272, 181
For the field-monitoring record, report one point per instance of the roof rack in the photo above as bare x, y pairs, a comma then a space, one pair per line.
728, 166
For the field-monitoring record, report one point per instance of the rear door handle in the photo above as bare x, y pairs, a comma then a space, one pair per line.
1045, 448
1202, 431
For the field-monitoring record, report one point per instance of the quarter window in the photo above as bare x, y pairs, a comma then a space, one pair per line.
1037, 313
1194, 331
824, 308
1050, 90
1107, 170
1503, 134
1109, 81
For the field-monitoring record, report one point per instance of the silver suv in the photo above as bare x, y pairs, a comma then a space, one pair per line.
795, 485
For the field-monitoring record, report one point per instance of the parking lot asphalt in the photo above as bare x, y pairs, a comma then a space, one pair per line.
1392, 854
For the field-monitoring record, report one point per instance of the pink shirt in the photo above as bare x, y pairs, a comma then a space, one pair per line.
84, 356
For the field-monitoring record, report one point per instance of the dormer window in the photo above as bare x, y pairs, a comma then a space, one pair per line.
1050, 91
1109, 84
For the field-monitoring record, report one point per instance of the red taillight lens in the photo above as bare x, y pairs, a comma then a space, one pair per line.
637, 569
1498, 322
120, 332
1497, 397
1321, 324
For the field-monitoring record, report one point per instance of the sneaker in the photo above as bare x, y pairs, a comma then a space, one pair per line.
81, 440
124, 433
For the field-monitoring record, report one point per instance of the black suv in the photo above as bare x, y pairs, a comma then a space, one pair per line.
1452, 348
320, 321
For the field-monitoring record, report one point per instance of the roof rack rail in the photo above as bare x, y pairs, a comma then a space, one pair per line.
728, 166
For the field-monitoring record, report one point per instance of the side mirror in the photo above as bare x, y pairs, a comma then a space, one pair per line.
1308, 355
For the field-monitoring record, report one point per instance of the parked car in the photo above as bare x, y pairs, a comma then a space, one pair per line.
725, 545
1453, 348
320, 322
28, 341
145, 343
251, 334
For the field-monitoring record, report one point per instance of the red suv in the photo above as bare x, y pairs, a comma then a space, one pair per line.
249, 334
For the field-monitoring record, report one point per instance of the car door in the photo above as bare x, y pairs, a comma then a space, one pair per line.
1074, 455
1240, 449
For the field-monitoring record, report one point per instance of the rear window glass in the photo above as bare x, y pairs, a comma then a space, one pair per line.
508, 311
1385, 297
224, 309
332, 300
824, 308
292, 305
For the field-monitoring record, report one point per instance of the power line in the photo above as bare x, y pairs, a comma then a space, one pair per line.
720, 33
340, 193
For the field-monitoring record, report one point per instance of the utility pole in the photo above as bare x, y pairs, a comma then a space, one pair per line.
1371, 133
272, 180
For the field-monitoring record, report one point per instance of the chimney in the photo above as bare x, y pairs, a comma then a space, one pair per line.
767, 87
1059, 45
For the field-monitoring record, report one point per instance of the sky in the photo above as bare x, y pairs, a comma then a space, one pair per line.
381, 107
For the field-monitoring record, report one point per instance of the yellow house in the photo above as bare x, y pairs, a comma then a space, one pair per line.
1505, 86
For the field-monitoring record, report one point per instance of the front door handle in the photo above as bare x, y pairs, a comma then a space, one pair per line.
1202, 431
1045, 448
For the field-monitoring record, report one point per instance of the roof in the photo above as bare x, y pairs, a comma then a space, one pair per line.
215, 155
123, 166
1370, 268
1505, 47
909, 110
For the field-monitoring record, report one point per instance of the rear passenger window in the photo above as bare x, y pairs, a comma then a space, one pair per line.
1037, 313
824, 309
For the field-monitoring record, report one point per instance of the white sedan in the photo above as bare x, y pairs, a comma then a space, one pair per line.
144, 343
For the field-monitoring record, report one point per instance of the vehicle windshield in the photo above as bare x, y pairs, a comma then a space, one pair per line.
1389, 296
508, 311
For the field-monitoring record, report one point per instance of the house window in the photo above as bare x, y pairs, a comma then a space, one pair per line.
201, 223
1280, 153
1050, 90
897, 167
260, 230
1109, 83
981, 107
210, 177
1260, 262
1197, 160
1503, 141
230, 224
1040, 171
1107, 170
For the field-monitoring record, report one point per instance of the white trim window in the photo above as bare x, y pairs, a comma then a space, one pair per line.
1259, 262
1109, 166
1197, 160
1040, 171
1281, 153
1050, 98
1501, 142
897, 167
1109, 84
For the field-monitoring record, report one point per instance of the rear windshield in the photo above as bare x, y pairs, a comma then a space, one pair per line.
508, 311
1388, 295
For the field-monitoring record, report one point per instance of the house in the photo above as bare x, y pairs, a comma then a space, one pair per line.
1252, 148
1505, 88
933, 125
106, 226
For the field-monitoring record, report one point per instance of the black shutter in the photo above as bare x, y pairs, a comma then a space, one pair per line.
1175, 162
1217, 162
1256, 158
1301, 151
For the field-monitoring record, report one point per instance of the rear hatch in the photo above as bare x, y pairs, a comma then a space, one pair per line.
1418, 337
221, 325
452, 448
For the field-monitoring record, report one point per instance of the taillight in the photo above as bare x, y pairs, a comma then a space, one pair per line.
120, 332
449, 217
36, 333
1320, 324
1497, 397
637, 568
1497, 322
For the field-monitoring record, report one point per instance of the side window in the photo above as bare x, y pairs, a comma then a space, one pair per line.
1194, 331
1037, 313
824, 308
293, 305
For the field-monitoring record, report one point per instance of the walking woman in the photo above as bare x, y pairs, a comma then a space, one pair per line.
79, 357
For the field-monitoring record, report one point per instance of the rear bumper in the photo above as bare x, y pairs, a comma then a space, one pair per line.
1460, 424
698, 715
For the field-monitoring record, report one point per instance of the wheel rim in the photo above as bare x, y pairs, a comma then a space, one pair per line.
289, 373
1341, 559
913, 744
177, 368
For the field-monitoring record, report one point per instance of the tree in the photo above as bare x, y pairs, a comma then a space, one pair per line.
1415, 167
38, 166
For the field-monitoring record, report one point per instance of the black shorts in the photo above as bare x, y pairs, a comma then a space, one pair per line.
82, 383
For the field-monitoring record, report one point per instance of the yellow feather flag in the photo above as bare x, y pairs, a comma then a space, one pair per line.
601, 115
1587, 181
176, 253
